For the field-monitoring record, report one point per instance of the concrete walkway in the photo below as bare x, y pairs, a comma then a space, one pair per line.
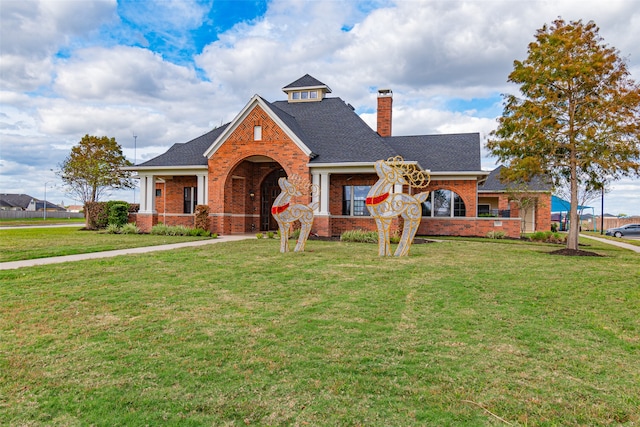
108, 254
618, 243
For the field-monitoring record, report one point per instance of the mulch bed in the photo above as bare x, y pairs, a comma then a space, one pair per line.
574, 252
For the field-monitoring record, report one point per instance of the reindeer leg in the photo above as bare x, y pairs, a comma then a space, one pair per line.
408, 233
284, 236
305, 229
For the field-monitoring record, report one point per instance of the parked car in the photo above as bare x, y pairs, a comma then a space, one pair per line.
625, 230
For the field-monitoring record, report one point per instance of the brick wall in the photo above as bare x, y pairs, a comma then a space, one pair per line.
228, 200
468, 226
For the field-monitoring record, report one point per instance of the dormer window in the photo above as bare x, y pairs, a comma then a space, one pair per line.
304, 95
306, 89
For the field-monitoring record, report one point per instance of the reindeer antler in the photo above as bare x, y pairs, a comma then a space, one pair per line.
417, 178
302, 184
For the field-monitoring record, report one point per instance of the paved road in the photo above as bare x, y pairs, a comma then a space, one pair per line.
107, 254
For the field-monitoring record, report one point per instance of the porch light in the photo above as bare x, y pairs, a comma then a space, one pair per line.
252, 194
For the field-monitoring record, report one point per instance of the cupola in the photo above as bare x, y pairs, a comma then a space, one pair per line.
306, 89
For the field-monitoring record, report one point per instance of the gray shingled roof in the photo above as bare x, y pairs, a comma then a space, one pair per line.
334, 133
306, 81
449, 152
493, 183
189, 153
16, 200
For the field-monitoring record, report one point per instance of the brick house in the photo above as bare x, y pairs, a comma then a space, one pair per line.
234, 169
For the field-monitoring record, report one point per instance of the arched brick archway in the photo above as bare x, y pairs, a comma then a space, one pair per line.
249, 191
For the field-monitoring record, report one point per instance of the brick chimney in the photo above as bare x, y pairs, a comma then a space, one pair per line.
385, 103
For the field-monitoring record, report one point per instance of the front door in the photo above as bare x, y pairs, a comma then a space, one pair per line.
269, 191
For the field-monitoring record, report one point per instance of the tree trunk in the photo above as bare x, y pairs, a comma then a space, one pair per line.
574, 224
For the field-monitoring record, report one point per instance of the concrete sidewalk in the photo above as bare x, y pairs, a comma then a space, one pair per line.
620, 244
108, 254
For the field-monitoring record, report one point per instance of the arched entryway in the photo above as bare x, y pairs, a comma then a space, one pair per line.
269, 190
249, 192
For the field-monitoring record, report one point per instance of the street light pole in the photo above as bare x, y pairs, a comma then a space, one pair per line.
602, 212
135, 140
44, 207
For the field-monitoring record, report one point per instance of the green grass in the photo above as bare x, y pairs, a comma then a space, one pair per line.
8, 222
30, 243
458, 333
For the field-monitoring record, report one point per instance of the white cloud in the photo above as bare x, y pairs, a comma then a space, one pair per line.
430, 53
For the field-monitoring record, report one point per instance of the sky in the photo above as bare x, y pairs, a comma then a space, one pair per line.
154, 73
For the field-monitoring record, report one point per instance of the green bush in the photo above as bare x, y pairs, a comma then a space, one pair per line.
112, 229
129, 228
199, 232
270, 235
359, 236
547, 237
179, 230
259, 236
118, 213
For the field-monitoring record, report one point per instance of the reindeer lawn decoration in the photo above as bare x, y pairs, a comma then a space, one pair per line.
385, 205
286, 213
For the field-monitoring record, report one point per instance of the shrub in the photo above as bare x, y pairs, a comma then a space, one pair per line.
270, 235
199, 232
118, 213
259, 236
496, 234
359, 236
129, 228
112, 229
295, 234
96, 214
179, 230
201, 217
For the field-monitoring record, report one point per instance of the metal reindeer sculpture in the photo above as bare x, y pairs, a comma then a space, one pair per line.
385, 205
286, 213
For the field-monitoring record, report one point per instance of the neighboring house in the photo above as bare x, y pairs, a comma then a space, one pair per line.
24, 202
17, 202
75, 208
530, 201
234, 169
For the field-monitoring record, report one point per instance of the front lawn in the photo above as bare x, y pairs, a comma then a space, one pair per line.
458, 333
30, 243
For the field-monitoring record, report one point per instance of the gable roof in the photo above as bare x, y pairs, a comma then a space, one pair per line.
267, 107
494, 184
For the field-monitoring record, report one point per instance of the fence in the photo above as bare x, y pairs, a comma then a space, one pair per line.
39, 214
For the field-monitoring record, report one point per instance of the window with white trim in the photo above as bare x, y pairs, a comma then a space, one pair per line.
257, 133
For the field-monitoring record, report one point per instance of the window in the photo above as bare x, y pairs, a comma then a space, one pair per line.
353, 200
190, 199
444, 203
158, 192
305, 94
257, 133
